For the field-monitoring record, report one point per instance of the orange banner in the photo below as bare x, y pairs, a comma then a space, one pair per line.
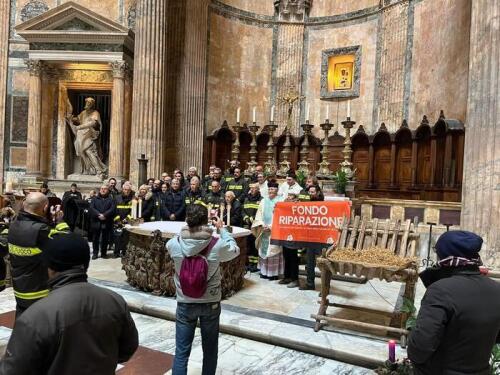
308, 224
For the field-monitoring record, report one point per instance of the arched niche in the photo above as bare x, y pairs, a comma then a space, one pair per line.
423, 135
403, 140
360, 157
262, 140
439, 132
222, 143
382, 159
335, 147
245, 141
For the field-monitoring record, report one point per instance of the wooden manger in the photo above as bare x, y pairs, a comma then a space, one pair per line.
360, 235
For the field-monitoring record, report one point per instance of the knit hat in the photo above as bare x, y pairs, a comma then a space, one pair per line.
459, 243
64, 251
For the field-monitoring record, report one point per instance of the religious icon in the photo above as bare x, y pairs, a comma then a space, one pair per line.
343, 76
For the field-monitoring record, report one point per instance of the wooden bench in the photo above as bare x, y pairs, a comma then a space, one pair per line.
358, 234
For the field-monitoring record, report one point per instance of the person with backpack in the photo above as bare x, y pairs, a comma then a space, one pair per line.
197, 255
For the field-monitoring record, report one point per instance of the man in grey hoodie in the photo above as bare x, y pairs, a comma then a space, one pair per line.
194, 239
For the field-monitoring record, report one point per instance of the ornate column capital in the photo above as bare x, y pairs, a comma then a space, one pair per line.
120, 69
50, 73
35, 67
292, 10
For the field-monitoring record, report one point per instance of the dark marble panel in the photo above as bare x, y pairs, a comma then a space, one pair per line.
381, 212
19, 123
411, 212
449, 217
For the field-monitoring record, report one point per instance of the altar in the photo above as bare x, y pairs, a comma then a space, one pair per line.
148, 265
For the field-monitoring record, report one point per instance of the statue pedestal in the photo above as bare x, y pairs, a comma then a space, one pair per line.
76, 177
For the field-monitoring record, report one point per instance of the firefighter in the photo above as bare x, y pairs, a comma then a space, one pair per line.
215, 197
123, 215
250, 207
194, 195
238, 185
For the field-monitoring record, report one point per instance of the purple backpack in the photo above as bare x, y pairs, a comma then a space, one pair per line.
193, 275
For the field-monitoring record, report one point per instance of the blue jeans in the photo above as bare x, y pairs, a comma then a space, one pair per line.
187, 316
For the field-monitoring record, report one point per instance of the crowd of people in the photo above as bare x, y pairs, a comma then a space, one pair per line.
241, 201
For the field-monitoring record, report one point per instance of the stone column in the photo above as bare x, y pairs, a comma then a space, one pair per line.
33, 167
191, 127
4, 62
481, 182
148, 113
117, 131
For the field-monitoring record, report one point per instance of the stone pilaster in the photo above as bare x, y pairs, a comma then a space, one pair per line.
4, 61
148, 115
191, 127
33, 166
481, 182
117, 131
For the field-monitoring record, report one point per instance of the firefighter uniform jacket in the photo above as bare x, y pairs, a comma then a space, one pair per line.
304, 196
123, 207
250, 208
239, 187
193, 197
214, 199
4, 249
27, 234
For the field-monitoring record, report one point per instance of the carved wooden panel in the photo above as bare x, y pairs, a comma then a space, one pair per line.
262, 140
403, 159
223, 148
382, 160
245, 140
360, 158
424, 157
335, 156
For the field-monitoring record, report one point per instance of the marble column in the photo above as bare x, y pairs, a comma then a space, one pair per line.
33, 166
481, 179
148, 113
4, 62
117, 131
191, 127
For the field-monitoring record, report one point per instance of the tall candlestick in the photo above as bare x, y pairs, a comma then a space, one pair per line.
140, 209
307, 112
254, 114
272, 113
221, 209
327, 117
228, 215
392, 351
134, 209
349, 108
238, 114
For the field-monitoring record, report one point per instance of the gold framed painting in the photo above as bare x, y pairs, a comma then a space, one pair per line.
342, 76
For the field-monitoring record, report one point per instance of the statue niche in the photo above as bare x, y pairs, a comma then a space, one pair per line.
87, 128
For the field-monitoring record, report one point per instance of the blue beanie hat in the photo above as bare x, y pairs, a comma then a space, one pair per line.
459, 243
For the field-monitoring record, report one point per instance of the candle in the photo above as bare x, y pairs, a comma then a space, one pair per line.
327, 117
140, 208
238, 114
307, 112
134, 209
349, 108
221, 208
272, 113
392, 351
228, 215
254, 115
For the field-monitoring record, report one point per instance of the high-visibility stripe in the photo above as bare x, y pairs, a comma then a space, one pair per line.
62, 227
124, 206
117, 217
32, 295
23, 251
251, 205
235, 187
2, 283
5, 231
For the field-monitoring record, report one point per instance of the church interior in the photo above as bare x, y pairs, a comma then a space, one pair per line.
393, 105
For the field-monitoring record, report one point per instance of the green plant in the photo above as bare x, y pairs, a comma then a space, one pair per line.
402, 367
409, 308
495, 360
340, 178
301, 177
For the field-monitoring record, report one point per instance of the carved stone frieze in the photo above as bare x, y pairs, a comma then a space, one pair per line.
87, 75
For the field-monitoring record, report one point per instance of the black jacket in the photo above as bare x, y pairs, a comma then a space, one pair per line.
239, 187
123, 206
191, 197
458, 323
27, 235
102, 205
250, 208
153, 208
4, 250
78, 329
176, 205
214, 199
70, 207
236, 210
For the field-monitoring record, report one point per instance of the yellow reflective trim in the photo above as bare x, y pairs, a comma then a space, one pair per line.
251, 205
2, 282
235, 187
117, 217
124, 206
62, 227
24, 251
5, 231
32, 295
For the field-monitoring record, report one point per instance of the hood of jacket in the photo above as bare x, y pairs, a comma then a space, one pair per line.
194, 240
432, 274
